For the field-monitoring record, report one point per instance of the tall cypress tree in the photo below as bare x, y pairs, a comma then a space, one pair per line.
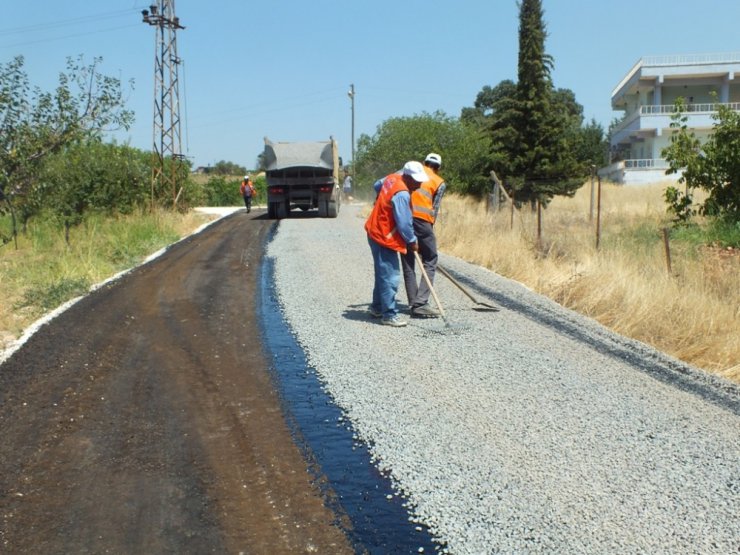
543, 160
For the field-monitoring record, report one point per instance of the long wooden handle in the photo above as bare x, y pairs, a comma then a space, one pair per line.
429, 284
457, 284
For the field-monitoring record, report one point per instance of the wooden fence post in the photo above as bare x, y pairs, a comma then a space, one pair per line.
667, 247
498, 191
539, 226
598, 215
493, 198
511, 220
591, 205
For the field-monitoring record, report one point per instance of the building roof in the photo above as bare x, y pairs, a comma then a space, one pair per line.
677, 65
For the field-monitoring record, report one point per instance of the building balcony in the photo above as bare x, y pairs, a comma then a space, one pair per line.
638, 171
653, 119
691, 66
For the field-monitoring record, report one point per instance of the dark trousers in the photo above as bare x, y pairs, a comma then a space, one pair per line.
417, 291
248, 203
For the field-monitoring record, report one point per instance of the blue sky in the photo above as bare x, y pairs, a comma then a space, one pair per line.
282, 68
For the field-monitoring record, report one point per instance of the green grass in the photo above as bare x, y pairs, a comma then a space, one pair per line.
44, 272
718, 233
45, 297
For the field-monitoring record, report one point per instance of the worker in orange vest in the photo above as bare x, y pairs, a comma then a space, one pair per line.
247, 190
425, 203
390, 231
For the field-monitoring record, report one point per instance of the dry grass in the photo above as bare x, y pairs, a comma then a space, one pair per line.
692, 313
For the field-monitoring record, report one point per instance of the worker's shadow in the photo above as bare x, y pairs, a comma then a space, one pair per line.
358, 312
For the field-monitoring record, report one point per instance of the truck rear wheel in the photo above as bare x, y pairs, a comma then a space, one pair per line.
333, 209
277, 210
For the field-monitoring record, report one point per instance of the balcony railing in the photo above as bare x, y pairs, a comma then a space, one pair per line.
616, 170
697, 107
668, 109
646, 164
689, 59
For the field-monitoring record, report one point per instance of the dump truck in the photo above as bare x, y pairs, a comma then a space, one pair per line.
302, 175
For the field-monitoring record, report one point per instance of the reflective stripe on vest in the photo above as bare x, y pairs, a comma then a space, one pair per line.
422, 200
381, 224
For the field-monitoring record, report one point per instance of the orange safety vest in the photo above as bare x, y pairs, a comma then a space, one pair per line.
247, 185
422, 200
381, 225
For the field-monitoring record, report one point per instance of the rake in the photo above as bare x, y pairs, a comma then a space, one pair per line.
482, 307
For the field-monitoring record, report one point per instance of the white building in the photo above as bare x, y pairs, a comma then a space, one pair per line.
647, 95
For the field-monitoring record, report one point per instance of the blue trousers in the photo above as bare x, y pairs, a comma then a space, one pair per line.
387, 278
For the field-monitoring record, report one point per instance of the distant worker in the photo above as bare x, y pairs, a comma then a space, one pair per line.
347, 186
247, 191
390, 230
425, 203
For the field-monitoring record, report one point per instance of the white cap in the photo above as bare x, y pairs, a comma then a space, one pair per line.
434, 158
246, 177
416, 171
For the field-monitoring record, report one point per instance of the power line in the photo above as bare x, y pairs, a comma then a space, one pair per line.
276, 109
66, 22
52, 39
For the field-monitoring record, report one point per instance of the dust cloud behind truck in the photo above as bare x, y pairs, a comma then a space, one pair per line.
302, 175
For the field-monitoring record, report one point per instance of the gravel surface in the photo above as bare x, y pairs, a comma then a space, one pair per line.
529, 430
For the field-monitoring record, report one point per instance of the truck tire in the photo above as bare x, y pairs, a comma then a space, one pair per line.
333, 209
277, 210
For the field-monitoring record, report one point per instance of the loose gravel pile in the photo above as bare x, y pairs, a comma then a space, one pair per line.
529, 430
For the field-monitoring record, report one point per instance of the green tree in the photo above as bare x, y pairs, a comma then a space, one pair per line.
228, 168
465, 150
542, 137
36, 124
93, 175
713, 167
220, 192
488, 104
592, 147
496, 111
539, 145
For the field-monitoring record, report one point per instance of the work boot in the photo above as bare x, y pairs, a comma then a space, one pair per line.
395, 321
424, 311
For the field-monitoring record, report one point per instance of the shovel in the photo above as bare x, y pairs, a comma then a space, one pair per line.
483, 307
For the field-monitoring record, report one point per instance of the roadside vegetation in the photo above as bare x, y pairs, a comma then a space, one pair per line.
691, 312
45, 271
223, 190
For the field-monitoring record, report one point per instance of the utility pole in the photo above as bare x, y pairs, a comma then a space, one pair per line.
351, 95
166, 128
